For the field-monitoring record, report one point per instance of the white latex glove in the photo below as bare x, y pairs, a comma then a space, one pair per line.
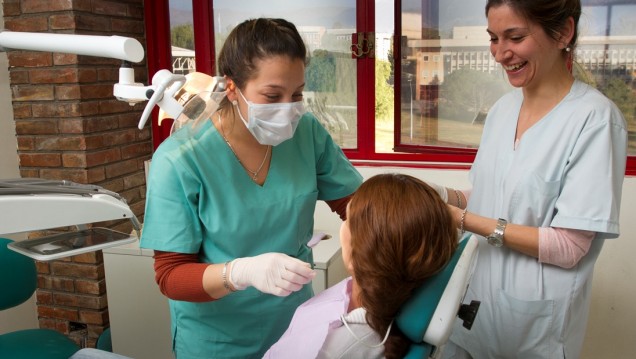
272, 273
441, 190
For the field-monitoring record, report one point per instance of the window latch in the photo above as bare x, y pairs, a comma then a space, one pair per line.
363, 45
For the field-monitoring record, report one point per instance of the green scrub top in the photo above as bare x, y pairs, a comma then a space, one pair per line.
201, 200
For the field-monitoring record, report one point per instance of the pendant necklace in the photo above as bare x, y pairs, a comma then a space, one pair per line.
253, 173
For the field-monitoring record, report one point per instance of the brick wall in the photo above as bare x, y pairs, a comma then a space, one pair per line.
69, 126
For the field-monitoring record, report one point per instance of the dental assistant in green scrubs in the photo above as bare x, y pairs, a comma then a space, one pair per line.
230, 208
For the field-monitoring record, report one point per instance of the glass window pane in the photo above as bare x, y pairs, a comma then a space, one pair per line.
182, 36
449, 79
330, 90
606, 55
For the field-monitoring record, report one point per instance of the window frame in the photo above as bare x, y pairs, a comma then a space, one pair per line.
158, 56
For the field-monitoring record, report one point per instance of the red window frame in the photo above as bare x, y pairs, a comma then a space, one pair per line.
158, 56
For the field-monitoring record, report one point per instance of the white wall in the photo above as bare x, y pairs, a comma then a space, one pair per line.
25, 315
611, 328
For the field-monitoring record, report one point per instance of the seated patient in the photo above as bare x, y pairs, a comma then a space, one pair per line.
398, 233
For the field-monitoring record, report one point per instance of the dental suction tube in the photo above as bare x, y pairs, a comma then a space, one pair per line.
116, 47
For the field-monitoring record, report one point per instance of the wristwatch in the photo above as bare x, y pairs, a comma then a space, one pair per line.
496, 237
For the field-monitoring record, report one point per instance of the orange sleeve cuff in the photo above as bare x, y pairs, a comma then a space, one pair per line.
180, 276
340, 206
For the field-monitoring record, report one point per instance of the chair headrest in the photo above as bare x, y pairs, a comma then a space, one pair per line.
18, 273
428, 316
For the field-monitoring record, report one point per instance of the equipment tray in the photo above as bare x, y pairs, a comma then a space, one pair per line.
70, 243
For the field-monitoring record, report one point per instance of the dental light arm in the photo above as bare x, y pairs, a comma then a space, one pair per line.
164, 83
116, 47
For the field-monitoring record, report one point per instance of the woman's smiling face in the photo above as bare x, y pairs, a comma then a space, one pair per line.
524, 50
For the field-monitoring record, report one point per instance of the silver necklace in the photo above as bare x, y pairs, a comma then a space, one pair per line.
253, 173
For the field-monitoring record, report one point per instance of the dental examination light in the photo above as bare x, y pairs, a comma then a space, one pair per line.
166, 89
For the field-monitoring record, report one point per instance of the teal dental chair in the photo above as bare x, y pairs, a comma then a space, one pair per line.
18, 281
428, 317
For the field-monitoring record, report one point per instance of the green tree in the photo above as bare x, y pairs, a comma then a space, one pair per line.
182, 36
320, 74
471, 91
383, 91
623, 96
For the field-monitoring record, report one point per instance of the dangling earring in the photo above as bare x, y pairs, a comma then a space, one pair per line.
569, 61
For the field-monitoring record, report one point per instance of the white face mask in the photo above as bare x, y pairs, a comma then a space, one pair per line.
272, 123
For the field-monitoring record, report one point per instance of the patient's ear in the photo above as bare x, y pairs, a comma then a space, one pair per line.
349, 267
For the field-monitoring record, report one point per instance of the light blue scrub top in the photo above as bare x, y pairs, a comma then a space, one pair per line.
567, 171
201, 200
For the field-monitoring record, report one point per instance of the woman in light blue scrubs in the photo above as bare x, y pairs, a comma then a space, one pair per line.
230, 207
547, 184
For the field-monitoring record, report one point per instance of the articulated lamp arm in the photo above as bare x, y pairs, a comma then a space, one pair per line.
164, 83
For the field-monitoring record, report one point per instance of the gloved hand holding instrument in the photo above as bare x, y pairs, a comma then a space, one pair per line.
272, 273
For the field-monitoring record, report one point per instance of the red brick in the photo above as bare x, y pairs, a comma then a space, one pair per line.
53, 75
82, 301
62, 21
27, 24
108, 75
47, 323
97, 91
88, 75
21, 110
26, 143
62, 284
29, 59
96, 175
36, 6
44, 297
67, 92
103, 157
132, 195
29, 173
94, 257
92, 22
11, 7
90, 286
76, 270
101, 124
43, 267
61, 59
94, 317
114, 106
128, 26
40, 159
19, 77
135, 12
131, 120
68, 143
110, 8
136, 150
116, 185
73, 126
95, 330
121, 168
31, 93
35, 127
83, 5
57, 312
77, 159
135, 180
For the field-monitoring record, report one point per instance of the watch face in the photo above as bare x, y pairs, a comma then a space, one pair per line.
495, 241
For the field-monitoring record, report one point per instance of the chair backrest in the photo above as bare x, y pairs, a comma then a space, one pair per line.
18, 276
427, 318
